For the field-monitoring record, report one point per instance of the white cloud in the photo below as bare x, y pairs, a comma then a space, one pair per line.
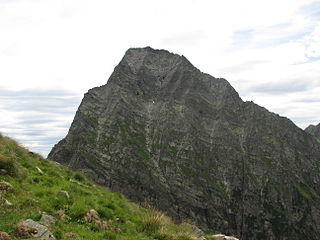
36, 117
76, 44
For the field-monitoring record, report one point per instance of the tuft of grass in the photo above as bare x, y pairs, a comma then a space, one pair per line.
109, 236
79, 177
153, 223
8, 167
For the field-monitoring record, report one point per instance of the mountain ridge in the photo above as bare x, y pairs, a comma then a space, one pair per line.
314, 130
161, 130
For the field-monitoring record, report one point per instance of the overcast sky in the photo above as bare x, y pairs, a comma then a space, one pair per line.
52, 52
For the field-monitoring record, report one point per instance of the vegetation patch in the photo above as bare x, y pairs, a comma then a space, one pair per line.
33, 185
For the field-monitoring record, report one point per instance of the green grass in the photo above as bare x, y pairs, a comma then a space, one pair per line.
35, 192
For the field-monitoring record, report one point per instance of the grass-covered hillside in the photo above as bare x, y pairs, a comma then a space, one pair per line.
31, 185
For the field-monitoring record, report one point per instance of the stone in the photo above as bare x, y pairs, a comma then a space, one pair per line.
162, 130
5, 202
217, 236
222, 237
91, 215
71, 235
230, 238
61, 214
36, 230
5, 186
47, 220
39, 170
5, 236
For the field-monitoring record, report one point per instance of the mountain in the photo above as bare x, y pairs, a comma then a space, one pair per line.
74, 207
162, 131
314, 130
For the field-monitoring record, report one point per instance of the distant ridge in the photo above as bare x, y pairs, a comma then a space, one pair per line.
314, 130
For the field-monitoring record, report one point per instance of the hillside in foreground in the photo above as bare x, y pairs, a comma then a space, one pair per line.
32, 187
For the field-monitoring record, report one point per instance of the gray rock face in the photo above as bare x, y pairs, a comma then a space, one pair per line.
40, 231
314, 130
47, 220
162, 131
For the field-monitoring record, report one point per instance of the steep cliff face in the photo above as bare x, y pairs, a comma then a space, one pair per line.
314, 130
162, 131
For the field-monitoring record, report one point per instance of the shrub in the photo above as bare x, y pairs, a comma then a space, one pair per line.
153, 223
4, 236
77, 212
163, 236
60, 203
109, 236
110, 205
79, 177
105, 213
8, 167
58, 234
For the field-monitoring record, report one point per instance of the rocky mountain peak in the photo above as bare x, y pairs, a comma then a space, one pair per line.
162, 131
157, 62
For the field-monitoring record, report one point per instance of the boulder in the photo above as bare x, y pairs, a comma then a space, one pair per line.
47, 220
222, 237
4, 236
34, 229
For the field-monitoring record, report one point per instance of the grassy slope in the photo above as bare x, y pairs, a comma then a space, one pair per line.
36, 192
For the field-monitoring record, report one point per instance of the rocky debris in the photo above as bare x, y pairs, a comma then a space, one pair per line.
71, 235
93, 217
5, 186
30, 202
61, 214
5, 202
162, 130
47, 220
63, 193
5, 236
31, 228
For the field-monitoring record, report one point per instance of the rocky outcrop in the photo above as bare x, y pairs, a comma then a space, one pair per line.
162, 131
47, 220
314, 130
31, 228
5, 236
